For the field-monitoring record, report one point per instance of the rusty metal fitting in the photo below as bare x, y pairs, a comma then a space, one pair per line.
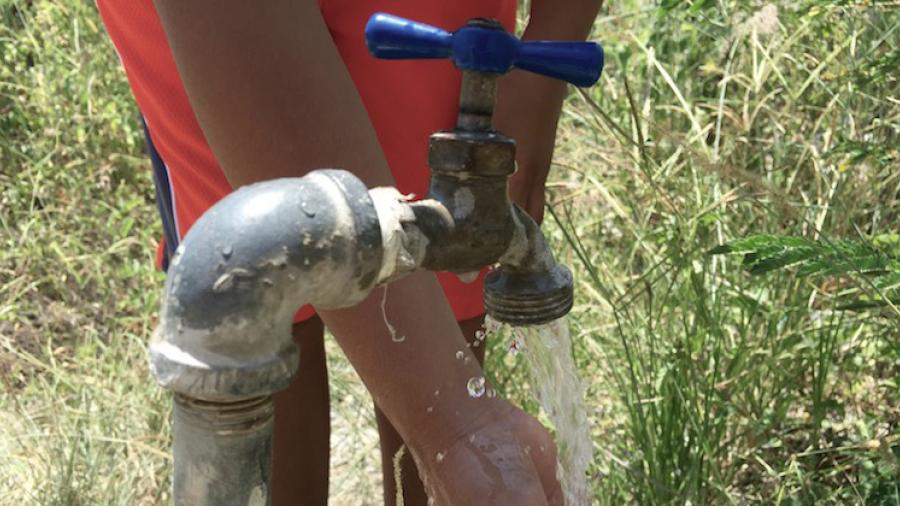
477, 94
484, 154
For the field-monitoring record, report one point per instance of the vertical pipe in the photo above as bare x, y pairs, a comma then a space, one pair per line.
222, 451
224, 340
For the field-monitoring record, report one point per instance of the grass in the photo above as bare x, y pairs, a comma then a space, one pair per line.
706, 383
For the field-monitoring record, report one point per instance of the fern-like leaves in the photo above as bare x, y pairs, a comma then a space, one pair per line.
878, 260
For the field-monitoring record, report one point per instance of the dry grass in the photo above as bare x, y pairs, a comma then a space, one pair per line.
714, 120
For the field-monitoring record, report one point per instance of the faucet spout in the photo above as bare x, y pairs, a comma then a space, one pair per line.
529, 287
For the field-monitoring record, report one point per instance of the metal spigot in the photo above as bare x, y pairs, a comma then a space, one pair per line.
472, 163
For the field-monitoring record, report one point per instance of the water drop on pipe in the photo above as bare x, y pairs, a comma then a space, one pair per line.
475, 386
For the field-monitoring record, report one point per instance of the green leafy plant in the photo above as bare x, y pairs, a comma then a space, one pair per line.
878, 262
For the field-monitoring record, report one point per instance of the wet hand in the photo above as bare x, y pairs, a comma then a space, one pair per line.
508, 459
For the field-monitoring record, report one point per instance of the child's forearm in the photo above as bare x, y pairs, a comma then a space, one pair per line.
419, 373
528, 105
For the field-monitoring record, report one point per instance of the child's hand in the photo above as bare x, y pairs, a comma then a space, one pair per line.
510, 459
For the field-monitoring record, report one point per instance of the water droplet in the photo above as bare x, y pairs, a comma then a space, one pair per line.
395, 337
467, 277
309, 212
480, 335
491, 393
227, 251
223, 283
476, 344
475, 386
226, 281
460, 355
437, 392
439, 457
471, 438
429, 409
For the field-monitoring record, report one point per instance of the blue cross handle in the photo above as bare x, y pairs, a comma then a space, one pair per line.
483, 48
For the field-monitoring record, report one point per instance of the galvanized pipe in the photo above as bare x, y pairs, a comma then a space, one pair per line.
222, 451
224, 342
244, 269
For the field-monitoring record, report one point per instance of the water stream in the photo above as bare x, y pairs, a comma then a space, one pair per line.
547, 352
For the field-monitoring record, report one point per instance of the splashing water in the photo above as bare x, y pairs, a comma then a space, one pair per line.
395, 337
475, 386
546, 350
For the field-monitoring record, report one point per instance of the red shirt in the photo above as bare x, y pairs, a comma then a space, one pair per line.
406, 101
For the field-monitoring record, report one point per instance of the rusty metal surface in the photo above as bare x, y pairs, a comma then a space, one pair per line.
222, 452
477, 94
485, 154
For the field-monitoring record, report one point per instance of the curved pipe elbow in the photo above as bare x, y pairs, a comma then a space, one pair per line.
245, 268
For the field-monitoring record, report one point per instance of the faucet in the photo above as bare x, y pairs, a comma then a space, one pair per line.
223, 344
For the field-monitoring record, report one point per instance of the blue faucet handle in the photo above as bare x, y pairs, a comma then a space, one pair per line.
483, 48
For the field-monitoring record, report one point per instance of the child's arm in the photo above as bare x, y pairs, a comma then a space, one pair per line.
528, 104
274, 99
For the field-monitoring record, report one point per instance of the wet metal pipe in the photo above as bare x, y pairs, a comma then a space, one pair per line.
243, 270
224, 342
